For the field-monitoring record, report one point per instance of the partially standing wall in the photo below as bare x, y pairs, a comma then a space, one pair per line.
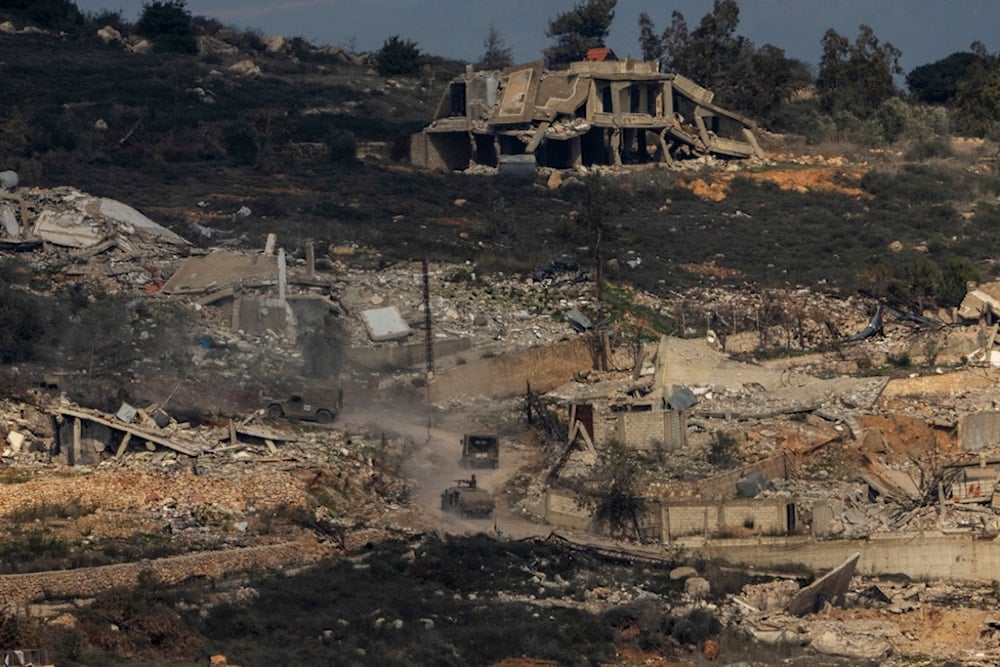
441, 150
543, 367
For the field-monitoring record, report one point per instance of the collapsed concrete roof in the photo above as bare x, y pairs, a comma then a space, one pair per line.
216, 271
594, 113
68, 217
749, 390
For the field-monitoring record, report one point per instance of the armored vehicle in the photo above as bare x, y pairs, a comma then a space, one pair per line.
306, 408
467, 499
480, 451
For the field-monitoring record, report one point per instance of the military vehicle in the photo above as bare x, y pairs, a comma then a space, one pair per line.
480, 451
306, 408
467, 499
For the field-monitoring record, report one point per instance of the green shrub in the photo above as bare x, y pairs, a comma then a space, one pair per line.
927, 148
242, 143
342, 145
956, 274
169, 24
26, 318
722, 449
105, 17
697, 626
398, 57
51, 14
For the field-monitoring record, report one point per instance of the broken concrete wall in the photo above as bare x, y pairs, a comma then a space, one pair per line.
649, 430
544, 367
929, 555
441, 150
256, 315
399, 357
758, 517
947, 383
562, 508
979, 430
831, 587
723, 486
667, 522
82, 443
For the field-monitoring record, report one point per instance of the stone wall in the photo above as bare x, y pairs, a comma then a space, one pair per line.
667, 522
562, 509
497, 377
767, 517
86, 582
724, 486
446, 150
979, 430
643, 430
398, 357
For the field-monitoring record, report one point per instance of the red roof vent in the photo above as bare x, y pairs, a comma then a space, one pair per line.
600, 54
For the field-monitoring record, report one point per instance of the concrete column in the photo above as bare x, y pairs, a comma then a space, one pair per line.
310, 258
282, 275
575, 152
616, 147
272, 239
74, 454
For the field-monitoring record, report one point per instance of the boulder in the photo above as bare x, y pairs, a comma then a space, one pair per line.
697, 587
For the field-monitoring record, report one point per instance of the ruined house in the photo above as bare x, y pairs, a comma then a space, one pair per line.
643, 425
598, 112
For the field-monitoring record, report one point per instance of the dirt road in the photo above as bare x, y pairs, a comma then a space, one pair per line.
436, 464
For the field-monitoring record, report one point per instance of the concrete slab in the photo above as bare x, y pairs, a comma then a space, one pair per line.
828, 588
217, 270
384, 324
752, 390
68, 228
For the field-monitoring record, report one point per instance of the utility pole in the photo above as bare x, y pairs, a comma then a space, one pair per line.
429, 333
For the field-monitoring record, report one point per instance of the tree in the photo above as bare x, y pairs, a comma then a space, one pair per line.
938, 82
242, 142
496, 53
977, 104
772, 81
857, 77
956, 274
649, 42
169, 25
398, 57
585, 27
619, 502
51, 14
977, 95
756, 81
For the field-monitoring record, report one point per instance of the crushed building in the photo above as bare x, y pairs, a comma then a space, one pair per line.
610, 112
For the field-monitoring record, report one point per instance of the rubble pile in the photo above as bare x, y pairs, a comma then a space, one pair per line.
222, 496
854, 443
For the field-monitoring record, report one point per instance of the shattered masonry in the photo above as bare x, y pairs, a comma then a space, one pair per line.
595, 113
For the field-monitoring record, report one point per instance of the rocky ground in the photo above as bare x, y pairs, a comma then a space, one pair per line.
378, 470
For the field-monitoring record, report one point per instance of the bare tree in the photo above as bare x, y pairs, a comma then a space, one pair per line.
496, 53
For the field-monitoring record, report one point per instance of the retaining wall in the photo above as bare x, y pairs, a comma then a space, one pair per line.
544, 367
930, 555
398, 357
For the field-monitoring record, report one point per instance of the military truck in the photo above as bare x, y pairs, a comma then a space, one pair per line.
306, 408
480, 451
467, 499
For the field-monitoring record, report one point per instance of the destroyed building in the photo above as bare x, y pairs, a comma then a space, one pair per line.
610, 112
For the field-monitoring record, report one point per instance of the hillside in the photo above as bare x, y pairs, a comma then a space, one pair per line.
191, 139
155, 514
